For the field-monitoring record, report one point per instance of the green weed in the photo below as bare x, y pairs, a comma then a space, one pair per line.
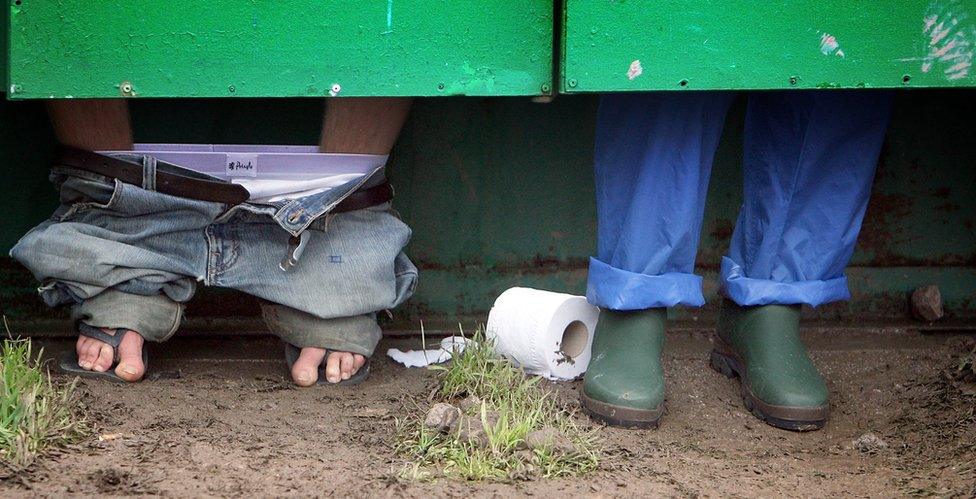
35, 414
512, 405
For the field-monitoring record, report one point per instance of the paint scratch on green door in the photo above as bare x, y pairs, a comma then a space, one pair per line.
631, 45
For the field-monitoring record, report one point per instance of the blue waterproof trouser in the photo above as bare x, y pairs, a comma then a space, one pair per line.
809, 161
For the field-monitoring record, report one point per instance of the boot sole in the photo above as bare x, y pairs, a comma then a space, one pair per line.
726, 362
619, 416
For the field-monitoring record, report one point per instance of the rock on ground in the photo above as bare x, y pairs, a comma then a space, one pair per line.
471, 401
550, 438
442, 417
927, 303
869, 443
473, 430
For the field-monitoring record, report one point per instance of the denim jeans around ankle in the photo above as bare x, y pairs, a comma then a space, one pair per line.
127, 256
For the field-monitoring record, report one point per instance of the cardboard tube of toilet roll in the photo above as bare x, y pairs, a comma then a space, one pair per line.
544, 333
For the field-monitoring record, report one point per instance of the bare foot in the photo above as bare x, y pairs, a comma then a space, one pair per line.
338, 367
95, 355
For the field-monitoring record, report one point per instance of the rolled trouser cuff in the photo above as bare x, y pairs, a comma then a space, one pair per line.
746, 291
616, 289
154, 317
356, 334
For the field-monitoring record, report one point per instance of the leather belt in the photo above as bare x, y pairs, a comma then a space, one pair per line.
200, 189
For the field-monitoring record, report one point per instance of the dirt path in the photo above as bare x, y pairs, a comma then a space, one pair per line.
231, 424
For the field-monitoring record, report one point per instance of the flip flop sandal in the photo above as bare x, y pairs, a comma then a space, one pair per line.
69, 364
291, 355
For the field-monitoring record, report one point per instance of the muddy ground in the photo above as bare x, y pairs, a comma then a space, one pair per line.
221, 419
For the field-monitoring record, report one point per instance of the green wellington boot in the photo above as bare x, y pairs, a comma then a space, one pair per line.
761, 346
624, 383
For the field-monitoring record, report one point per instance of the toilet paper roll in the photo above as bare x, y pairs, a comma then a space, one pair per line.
544, 333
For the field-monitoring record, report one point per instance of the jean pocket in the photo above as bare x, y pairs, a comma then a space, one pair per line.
79, 195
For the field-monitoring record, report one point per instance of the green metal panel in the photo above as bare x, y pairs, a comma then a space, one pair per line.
499, 193
627, 45
223, 48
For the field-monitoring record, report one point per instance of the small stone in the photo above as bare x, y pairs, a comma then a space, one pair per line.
156, 375
471, 401
491, 419
108, 437
550, 438
525, 456
471, 431
442, 417
524, 470
869, 443
372, 412
471, 428
490, 422
927, 303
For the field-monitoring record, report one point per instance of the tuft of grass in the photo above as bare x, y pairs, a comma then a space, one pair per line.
519, 404
36, 415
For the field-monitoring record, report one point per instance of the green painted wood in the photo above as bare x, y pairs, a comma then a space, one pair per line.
629, 45
224, 48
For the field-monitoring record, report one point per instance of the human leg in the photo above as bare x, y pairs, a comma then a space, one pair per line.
808, 167
357, 126
92, 124
652, 161
99, 124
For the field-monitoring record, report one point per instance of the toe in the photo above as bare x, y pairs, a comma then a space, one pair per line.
360, 361
347, 365
81, 349
87, 358
305, 370
333, 369
131, 367
105, 358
